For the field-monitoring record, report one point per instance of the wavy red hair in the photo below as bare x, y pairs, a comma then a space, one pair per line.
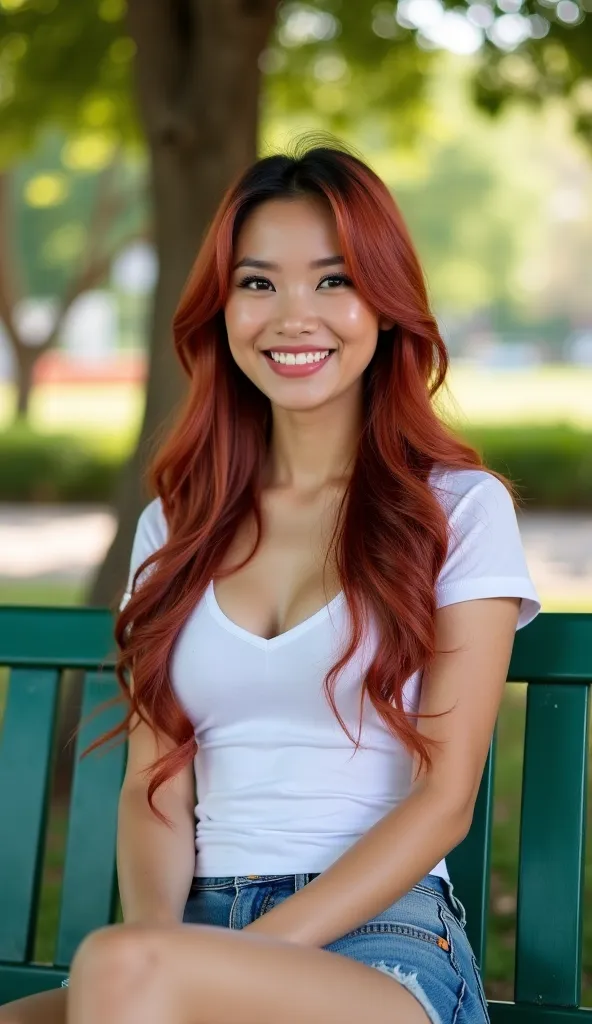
208, 471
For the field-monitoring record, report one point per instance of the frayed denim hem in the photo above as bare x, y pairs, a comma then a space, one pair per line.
410, 982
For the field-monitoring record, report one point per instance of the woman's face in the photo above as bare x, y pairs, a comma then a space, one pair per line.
289, 293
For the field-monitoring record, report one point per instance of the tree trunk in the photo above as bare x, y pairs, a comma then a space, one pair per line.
198, 93
26, 359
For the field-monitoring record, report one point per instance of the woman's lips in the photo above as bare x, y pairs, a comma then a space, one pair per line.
296, 369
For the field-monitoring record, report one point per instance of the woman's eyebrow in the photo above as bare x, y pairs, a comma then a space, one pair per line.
250, 261
328, 261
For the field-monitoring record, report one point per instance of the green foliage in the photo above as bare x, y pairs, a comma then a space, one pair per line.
55, 192
52, 468
69, 64
66, 64
551, 465
465, 237
556, 62
326, 60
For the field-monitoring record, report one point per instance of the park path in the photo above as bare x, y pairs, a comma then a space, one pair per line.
67, 543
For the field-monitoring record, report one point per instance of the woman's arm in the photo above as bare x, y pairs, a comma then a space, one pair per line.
155, 862
399, 850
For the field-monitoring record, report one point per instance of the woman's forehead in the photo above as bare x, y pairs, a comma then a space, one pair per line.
282, 229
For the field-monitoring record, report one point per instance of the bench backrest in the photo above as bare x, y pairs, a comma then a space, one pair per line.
37, 644
553, 655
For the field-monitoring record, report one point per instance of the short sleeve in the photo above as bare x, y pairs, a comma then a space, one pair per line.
485, 556
150, 535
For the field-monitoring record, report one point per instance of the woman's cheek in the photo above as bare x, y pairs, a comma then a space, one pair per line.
357, 320
244, 321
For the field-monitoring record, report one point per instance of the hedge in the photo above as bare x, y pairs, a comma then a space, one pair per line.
550, 465
48, 468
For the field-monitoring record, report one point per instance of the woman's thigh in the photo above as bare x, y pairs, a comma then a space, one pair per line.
45, 1008
420, 940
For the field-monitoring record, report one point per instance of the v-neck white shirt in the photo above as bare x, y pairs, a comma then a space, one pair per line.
280, 787
277, 641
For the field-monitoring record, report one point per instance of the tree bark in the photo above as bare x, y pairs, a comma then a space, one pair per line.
198, 81
26, 359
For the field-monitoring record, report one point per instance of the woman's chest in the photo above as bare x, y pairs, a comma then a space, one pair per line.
292, 574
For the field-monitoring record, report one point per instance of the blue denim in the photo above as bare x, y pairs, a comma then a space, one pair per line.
420, 940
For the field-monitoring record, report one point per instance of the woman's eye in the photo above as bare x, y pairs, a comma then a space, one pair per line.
255, 284
334, 280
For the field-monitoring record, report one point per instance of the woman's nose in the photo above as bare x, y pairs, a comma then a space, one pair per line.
296, 316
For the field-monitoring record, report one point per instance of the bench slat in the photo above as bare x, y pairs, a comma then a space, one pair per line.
56, 637
25, 755
552, 846
89, 884
468, 864
17, 982
555, 648
513, 1013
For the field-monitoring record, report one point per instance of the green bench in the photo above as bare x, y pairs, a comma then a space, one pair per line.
553, 655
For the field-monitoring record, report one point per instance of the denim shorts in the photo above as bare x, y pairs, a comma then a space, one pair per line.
420, 940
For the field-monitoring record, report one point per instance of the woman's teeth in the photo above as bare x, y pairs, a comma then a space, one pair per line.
291, 358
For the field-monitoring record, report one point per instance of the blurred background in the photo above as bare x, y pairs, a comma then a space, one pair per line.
120, 126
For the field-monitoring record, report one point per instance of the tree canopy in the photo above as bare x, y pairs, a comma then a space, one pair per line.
70, 63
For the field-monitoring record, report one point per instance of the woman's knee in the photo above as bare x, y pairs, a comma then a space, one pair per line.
117, 957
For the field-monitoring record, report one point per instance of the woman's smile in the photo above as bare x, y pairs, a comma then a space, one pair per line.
297, 363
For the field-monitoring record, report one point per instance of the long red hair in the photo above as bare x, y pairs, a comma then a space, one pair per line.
391, 537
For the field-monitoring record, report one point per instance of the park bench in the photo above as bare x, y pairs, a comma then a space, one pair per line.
553, 655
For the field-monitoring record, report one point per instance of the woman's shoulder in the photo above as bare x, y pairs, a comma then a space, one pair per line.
152, 526
451, 485
466, 494
151, 534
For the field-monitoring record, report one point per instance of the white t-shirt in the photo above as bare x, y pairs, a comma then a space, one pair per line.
279, 788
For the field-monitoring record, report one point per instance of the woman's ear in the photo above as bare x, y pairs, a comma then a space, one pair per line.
384, 324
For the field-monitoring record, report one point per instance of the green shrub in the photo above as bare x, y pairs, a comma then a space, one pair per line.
550, 465
53, 468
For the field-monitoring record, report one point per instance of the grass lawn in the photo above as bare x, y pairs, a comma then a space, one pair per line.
548, 394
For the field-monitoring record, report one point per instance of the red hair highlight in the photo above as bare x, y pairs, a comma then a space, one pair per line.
208, 470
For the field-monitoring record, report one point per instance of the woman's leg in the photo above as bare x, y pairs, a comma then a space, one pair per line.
45, 1008
203, 974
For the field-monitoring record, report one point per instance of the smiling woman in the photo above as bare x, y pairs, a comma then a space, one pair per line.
293, 312
313, 521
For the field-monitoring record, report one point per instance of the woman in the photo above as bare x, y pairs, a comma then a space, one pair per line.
312, 514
